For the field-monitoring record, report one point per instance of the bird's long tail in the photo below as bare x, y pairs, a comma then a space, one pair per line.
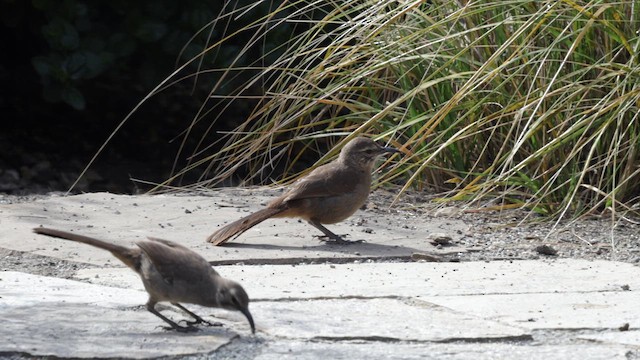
239, 226
129, 257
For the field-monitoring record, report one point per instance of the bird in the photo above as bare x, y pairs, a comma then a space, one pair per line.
327, 195
173, 273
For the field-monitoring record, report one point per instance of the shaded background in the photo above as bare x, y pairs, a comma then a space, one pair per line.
72, 70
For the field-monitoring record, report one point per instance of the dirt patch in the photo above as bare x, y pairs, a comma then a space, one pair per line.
11, 260
511, 235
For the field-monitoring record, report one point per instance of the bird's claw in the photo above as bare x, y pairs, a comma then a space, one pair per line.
201, 321
182, 329
338, 240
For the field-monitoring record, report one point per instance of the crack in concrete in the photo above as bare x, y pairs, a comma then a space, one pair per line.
15, 355
347, 297
484, 340
385, 339
357, 338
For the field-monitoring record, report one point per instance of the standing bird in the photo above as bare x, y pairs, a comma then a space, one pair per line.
171, 272
329, 194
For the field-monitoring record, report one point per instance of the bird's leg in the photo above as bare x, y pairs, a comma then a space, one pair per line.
198, 319
151, 308
330, 237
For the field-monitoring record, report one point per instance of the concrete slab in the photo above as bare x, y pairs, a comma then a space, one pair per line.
377, 320
190, 219
501, 309
299, 350
62, 318
616, 337
411, 279
563, 294
20, 289
569, 310
85, 331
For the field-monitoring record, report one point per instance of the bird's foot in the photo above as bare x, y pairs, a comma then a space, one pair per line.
201, 321
182, 329
338, 239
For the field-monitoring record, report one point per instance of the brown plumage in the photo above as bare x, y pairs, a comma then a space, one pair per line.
171, 272
329, 194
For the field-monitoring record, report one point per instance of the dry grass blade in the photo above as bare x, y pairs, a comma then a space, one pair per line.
514, 103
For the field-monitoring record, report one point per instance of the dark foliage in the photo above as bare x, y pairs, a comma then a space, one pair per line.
72, 69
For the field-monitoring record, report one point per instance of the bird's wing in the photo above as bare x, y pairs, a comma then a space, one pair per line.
324, 181
169, 243
174, 261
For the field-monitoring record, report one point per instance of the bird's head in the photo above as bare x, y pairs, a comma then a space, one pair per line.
231, 296
363, 152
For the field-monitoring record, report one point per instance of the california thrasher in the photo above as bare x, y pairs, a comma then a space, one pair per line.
171, 272
329, 194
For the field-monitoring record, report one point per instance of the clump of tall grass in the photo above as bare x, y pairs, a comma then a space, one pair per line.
505, 103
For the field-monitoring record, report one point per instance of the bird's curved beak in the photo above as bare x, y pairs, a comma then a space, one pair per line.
250, 318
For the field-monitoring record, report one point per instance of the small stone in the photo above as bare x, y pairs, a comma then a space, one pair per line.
624, 327
546, 250
440, 239
447, 211
424, 257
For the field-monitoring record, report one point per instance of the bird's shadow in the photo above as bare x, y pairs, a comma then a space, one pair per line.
362, 248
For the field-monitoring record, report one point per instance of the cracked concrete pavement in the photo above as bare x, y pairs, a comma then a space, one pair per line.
309, 300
